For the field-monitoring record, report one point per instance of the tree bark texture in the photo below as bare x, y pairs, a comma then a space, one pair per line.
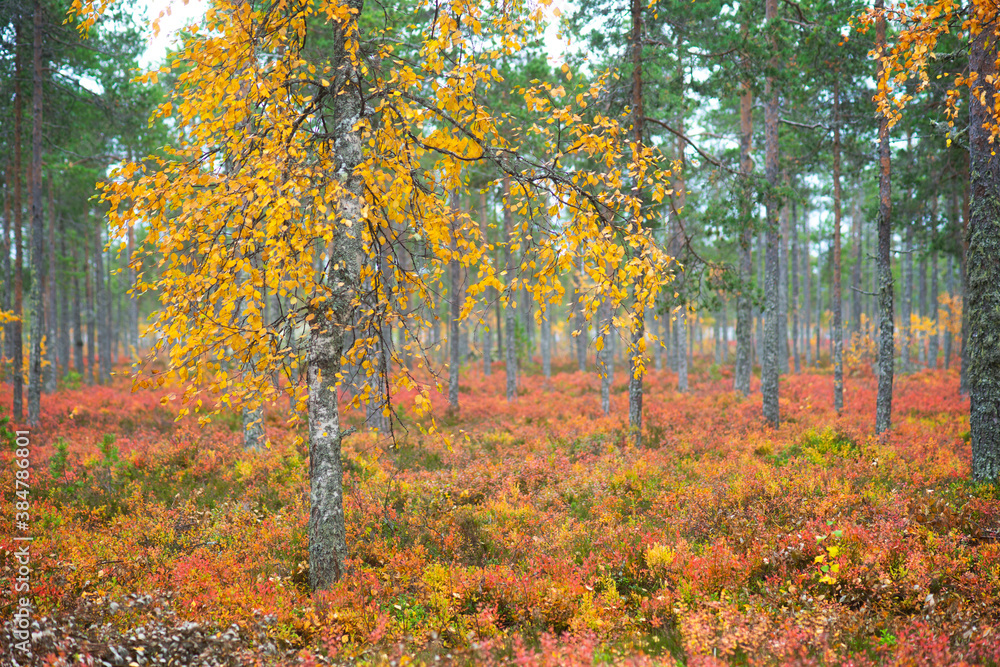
37, 229
17, 345
883, 402
510, 316
983, 271
744, 301
769, 367
838, 322
327, 535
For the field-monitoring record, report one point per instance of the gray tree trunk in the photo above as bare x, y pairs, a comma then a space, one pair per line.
77, 319
65, 316
950, 273
327, 535
580, 321
922, 298
17, 328
807, 300
883, 405
546, 345
783, 352
37, 261
509, 313
91, 310
770, 366
680, 345
53, 348
856, 269
983, 297
906, 340
455, 301
794, 279
103, 307
836, 297
933, 343
725, 331
7, 288
604, 354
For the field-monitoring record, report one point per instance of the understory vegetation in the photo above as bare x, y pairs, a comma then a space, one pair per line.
529, 532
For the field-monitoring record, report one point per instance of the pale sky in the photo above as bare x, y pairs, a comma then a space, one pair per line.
177, 14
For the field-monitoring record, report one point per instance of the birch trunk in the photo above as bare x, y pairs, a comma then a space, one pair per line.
327, 534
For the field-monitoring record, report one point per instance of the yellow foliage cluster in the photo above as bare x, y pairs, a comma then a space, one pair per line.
243, 208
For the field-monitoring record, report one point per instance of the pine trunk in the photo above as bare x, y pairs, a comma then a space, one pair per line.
836, 297
744, 301
52, 346
794, 279
856, 269
883, 406
983, 270
770, 365
933, 343
17, 344
907, 303
37, 229
77, 319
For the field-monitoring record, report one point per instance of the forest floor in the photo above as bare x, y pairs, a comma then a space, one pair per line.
527, 533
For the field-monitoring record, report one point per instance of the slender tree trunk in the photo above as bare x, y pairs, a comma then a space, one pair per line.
77, 319
132, 340
951, 293
580, 321
717, 336
604, 353
725, 331
744, 301
65, 317
103, 303
907, 302
491, 294
963, 378
856, 269
836, 297
546, 345
783, 353
37, 229
983, 270
770, 367
680, 332
7, 292
794, 279
922, 285
637, 350
932, 344
52, 346
91, 311
455, 294
17, 346
883, 407
807, 305
509, 314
